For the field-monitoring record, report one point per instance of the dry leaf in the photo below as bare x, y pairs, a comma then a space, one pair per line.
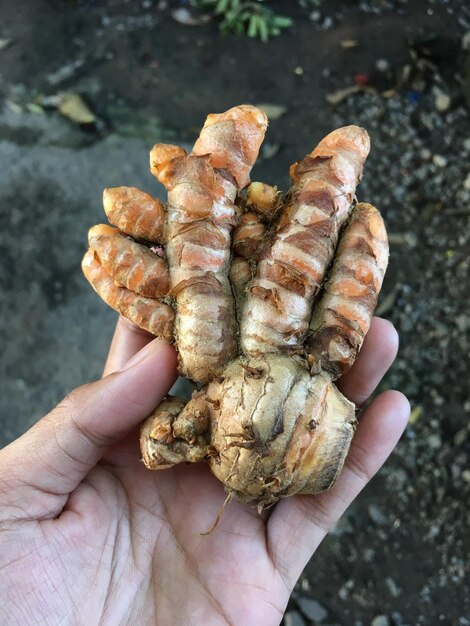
415, 414
73, 106
335, 97
349, 43
400, 239
273, 111
4, 43
269, 150
387, 303
34, 107
15, 108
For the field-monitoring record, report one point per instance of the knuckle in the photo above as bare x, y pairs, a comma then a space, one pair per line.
357, 462
73, 410
129, 326
72, 403
316, 512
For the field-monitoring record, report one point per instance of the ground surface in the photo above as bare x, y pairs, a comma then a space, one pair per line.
399, 555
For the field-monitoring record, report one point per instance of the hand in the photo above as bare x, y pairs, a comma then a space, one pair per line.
89, 536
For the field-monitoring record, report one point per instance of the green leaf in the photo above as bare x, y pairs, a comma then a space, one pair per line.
252, 30
263, 31
273, 111
222, 6
282, 21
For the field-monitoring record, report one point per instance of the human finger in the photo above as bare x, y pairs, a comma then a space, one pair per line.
127, 340
377, 354
43, 466
298, 524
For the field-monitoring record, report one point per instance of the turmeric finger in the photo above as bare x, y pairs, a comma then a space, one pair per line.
248, 236
291, 271
202, 188
131, 264
135, 212
342, 316
232, 140
149, 314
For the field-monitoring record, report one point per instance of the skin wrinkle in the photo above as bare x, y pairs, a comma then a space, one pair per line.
10, 506
117, 530
19, 558
118, 526
94, 439
74, 459
45, 491
274, 561
219, 609
358, 467
317, 514
276, 608
74, 609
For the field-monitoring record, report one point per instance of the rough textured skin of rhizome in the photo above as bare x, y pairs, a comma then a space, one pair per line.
266, 297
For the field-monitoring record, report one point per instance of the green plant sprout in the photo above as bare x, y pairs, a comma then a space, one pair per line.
247, 16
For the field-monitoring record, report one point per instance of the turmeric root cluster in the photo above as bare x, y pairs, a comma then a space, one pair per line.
266, 297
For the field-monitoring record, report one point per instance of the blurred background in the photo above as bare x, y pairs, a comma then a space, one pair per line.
88, 87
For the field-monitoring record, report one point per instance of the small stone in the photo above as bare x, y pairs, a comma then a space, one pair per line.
435, 441
392, 586
460, 437
463, 321
380, 620
466, 183
312, 609
442, 102
466, 476
369, 555
466, 41
376, 515
425, 154
343, 593
382, 65
466, 144
345, 590
433, 531
439, 160
293, 618
397, 619
314, 16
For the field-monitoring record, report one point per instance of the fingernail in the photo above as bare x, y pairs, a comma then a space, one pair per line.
149, 350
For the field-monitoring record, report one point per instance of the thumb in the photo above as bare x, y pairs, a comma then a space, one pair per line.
52, 458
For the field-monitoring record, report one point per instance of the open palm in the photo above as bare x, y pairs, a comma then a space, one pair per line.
88, 535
